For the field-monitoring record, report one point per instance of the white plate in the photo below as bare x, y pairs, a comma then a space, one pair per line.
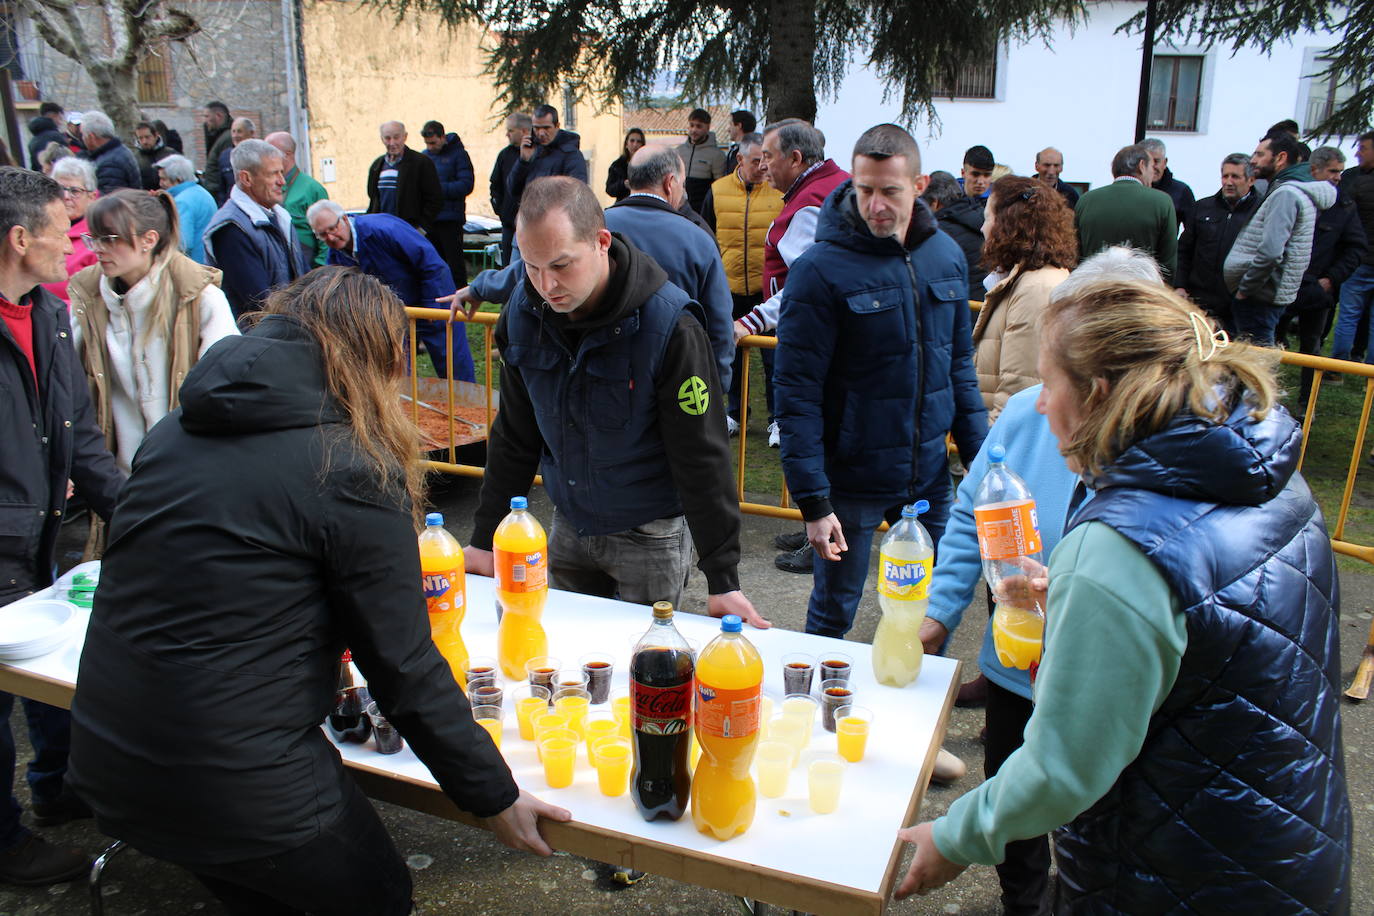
34, 627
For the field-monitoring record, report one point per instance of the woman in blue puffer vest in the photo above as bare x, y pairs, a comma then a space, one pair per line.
1187, 730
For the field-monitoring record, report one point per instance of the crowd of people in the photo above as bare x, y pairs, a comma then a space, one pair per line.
235, 335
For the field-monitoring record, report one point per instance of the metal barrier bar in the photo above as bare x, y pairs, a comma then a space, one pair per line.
1319, 364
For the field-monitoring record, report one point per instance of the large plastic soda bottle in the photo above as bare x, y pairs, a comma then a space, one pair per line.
445, 587
521, 555
1009, 541
661, 679
905, 560
726, 718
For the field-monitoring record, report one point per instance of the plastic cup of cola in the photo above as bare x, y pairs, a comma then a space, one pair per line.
852, 727
486, 693
540, 671
528, 700
384, 734
598, 668
835, 666
480, 668
558, 753
834, 694
491, 718
798, 669
569, 677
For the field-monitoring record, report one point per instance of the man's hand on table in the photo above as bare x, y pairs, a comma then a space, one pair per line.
518, 825
933, 635
929, 869
827, 537
479, 561
735, 603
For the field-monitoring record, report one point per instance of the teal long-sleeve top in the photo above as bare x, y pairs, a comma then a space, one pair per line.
1114, 639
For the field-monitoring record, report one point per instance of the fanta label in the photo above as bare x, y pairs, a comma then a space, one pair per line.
440, 595
905, 580
727, 713
521, 572
1007, 530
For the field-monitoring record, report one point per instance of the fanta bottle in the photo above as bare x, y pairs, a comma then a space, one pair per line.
521, 555
729, 682
1009, 541
904, 564
445, 587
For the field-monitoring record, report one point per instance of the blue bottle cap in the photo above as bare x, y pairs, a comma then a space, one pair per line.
731, 623
434, 519
921, 507
997, 452
519, 502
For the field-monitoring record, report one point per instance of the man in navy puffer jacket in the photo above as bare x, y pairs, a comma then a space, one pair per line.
454, 165
874, 367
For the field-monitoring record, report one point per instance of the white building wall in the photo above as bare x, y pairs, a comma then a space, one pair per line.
1080, 95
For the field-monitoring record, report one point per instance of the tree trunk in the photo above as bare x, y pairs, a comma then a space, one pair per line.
115, 88
789, 77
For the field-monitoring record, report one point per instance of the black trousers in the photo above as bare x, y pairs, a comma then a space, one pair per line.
1025, 873
447, 239
352, 867
1311, 326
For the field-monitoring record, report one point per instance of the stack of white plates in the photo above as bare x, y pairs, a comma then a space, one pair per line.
34, 627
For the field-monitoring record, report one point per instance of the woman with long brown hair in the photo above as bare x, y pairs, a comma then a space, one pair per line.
141, 315
269, 523
1029, 247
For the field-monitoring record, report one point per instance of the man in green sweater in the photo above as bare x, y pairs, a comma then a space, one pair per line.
1129, 212
300, 192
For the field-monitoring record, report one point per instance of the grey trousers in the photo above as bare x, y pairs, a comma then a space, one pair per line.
640, 565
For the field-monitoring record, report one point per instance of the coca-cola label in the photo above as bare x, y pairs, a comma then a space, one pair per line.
661, 710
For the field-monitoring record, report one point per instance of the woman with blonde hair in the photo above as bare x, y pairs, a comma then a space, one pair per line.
1186, 730
270, 523
142, 315
1029, 246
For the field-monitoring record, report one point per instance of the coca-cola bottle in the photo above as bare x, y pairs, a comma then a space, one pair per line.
661, 683
347, 721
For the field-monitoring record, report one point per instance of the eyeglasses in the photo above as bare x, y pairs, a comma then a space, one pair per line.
324, 232
99, 242
73, 192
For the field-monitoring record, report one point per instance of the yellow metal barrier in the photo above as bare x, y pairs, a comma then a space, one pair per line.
783, 510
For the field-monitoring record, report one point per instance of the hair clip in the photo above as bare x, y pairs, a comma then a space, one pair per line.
1204, 335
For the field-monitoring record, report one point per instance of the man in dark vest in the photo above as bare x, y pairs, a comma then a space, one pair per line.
250, 238
609, 388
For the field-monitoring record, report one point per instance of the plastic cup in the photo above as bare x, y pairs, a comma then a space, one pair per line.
486, 693
824, 777
803, 709
598, 668
388, 740
774, 759
797, 672
620, 708
528, 700
612, 758
540, 671
835, 666
546, 722
481, 668
599, 725
852, 725
765, 715
573, 702
558, 752
834, 694
788, 731
569, 677
492, 718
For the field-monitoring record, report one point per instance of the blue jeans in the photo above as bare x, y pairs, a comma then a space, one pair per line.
1357, 295
640, 565
1255, 321
431, 334
50, 735
839, 584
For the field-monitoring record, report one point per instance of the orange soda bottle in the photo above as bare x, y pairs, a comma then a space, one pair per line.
729, 684
445, 587
521, 555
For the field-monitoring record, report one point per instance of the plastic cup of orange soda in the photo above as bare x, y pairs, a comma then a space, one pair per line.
573, 702
852, 727
546, 722
529, 700
492, 718
612, 757
599, 725
558, 753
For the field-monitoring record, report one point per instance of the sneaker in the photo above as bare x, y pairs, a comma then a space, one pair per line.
774, 435
948, 768
791, 542
796, 561
33, 862
65, 807
732, 426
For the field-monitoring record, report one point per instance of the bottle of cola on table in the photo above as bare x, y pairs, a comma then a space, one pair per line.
347, 722
661, 682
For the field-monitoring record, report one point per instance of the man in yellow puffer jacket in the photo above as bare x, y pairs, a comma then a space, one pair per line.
739, 208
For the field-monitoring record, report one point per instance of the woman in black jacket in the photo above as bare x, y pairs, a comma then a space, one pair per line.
271, 522
616, 174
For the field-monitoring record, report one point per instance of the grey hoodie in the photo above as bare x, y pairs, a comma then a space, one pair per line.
1271, 253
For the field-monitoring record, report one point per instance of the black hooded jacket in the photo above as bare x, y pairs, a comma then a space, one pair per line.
44, 131
253, 544
963, 222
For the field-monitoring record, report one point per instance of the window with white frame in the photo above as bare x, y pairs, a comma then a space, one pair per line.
1326, 91
1175, 93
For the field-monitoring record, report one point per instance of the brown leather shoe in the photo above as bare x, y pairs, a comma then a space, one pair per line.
33, 862
973, 694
